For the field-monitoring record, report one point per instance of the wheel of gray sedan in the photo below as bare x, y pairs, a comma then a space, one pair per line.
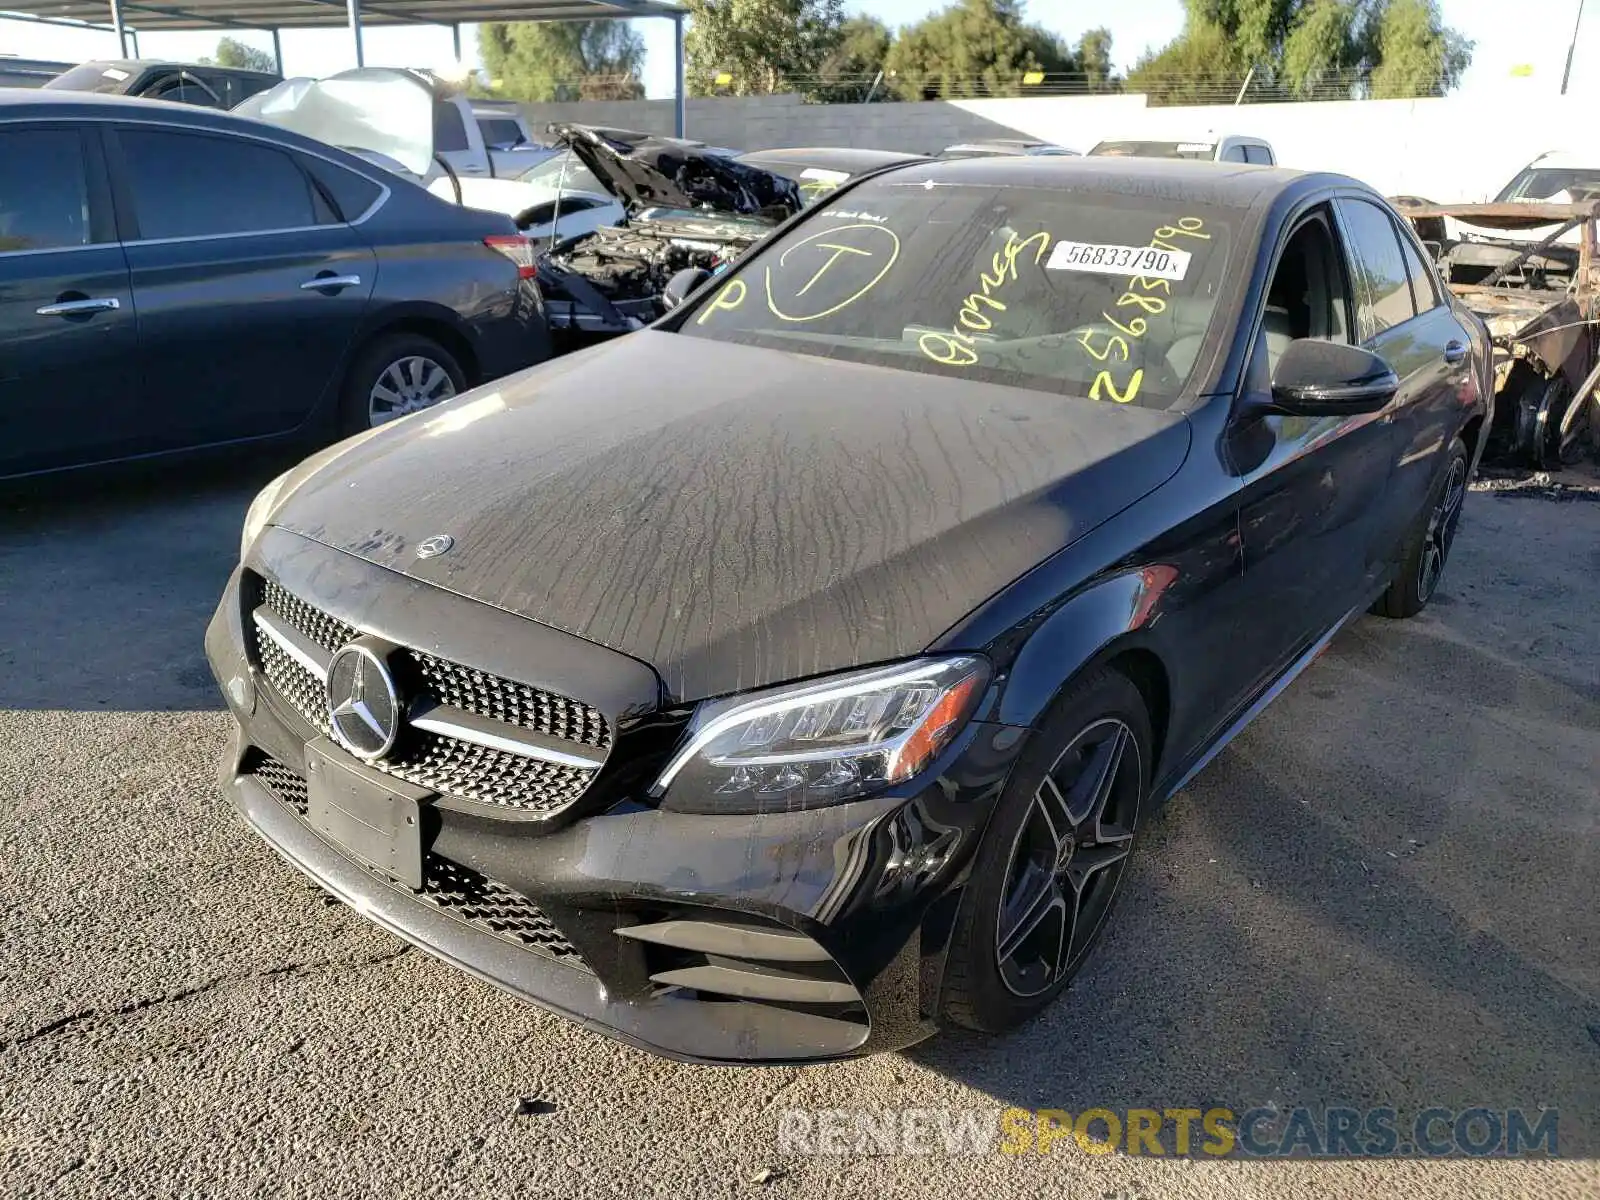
1053, 858
1427, 549
398, 374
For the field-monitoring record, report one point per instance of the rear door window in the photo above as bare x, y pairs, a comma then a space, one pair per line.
499, 131
449, 132
1259, 155
44, 193
196, 185
1424, 291
1383, 288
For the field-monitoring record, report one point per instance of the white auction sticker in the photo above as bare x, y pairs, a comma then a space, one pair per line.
1152, 262
823, 175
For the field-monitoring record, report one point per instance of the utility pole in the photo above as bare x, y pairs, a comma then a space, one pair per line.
1571, 46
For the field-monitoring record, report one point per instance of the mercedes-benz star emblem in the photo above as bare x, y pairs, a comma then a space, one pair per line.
363, 707
432, 547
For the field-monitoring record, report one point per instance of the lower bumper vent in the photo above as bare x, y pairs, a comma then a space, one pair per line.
454, 889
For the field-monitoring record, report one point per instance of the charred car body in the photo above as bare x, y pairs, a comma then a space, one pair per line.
688, 208
1530, 270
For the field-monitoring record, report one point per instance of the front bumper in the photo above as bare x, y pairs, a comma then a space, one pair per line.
860, 896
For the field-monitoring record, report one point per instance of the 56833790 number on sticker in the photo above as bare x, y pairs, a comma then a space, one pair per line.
1152, 262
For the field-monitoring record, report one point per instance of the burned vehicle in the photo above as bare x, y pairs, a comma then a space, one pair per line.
1536, 286
689, 208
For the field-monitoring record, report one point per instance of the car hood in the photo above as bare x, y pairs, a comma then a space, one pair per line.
644, 170
384, 115
734, 516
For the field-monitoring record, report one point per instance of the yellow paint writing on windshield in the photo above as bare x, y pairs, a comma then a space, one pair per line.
1133, 306
728, 299
958, 349
851, 249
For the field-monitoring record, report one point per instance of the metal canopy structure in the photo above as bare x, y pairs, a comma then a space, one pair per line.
129, 18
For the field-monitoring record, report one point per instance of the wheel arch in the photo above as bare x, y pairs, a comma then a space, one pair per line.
434, 322
1107, 625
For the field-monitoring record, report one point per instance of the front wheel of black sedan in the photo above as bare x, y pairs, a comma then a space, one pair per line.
1053, 858
1428, 545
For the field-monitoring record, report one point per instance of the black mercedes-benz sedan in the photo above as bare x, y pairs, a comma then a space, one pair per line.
174, 279
796, 675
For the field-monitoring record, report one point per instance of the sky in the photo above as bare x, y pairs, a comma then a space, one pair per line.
1521, 44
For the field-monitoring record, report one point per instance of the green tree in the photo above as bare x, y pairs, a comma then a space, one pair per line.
1094, 60
1417, 55
1305, 49
562, 60
850, 67
1198, 68
974, 48
761, 46
1323, 50
234, 53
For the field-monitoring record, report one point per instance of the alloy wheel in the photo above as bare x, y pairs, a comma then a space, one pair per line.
1442, 529
1068, 857
408, 385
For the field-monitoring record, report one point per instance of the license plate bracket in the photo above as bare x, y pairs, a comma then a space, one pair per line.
378, 820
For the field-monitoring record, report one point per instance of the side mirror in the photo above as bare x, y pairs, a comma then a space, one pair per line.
681, 284
1317, 378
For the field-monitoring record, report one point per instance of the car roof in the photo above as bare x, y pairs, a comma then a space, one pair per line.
837, 158
1230, 185
43, 104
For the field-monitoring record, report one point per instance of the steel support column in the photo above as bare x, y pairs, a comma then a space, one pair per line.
116, 25
679, 104
277, 50
353, 7
455, 37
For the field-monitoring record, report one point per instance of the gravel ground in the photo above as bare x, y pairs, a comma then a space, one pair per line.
1384, 893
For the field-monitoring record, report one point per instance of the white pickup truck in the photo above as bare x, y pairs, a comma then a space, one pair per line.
483, 142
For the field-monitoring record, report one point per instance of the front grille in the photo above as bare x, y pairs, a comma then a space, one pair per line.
453, 889
437, 761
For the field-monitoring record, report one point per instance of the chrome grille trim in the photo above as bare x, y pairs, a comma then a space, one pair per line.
524, 749
303, 650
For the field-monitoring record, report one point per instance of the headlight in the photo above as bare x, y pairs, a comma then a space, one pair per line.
259, 512
823, 741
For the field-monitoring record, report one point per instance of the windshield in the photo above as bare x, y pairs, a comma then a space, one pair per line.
92, 77
1200, 150
1098, 294
578, 177
1549, 183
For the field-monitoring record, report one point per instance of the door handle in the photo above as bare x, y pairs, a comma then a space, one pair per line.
77, 308
1454, 352
330, 282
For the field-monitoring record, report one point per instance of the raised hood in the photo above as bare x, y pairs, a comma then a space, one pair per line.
644, 170
734, 516
384, 115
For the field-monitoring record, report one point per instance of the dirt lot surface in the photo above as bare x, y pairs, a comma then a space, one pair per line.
1383, 894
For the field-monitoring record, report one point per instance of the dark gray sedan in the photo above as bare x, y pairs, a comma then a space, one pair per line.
174, 279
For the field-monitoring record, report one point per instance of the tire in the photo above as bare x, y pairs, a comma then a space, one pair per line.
1427, 546
1000, 970
420, 373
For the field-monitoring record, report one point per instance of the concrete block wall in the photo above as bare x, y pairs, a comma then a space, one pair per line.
1455, 148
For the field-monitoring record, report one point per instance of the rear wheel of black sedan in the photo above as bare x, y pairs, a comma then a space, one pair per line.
1052, 861
395, 375
1427, 549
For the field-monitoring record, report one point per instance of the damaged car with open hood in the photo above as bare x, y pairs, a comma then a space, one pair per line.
688, 208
